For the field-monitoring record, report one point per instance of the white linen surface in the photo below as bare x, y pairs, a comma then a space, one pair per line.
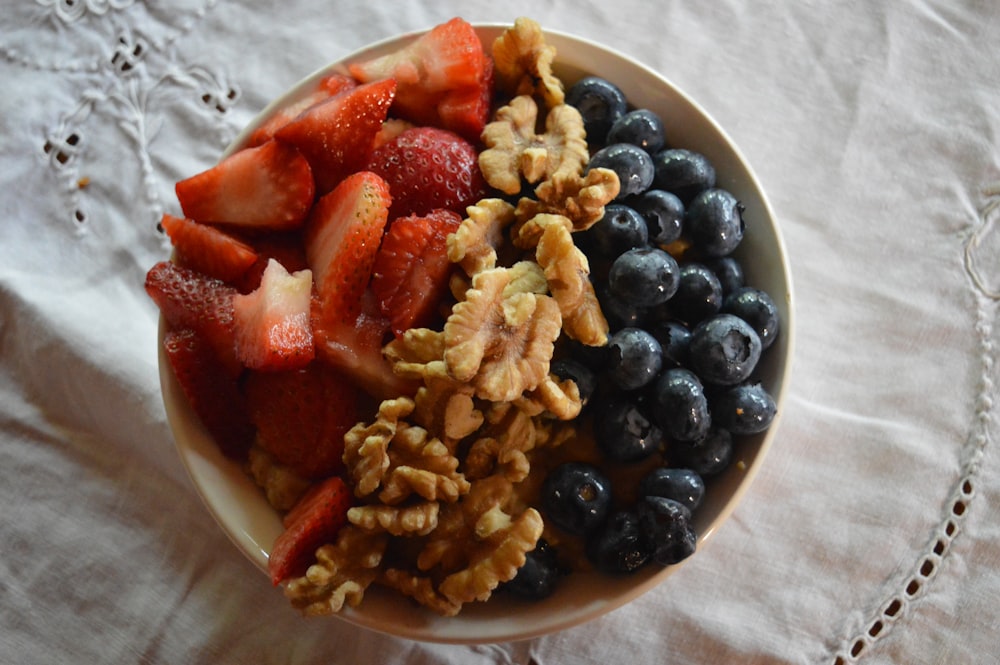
869, 536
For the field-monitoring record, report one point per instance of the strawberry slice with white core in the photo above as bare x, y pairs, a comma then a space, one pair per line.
270, 187
342, 236
273, 329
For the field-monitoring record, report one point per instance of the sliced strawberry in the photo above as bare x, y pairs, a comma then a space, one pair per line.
269, 186
188, 299
466, 111
342, 236
284, 246
207, 249
410, 276
355, 348
211, 390
313, 522
302, 416
441, 67
336, 135
325, 88
429, 168
273, 330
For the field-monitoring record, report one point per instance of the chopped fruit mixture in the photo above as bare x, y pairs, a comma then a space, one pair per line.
469, 331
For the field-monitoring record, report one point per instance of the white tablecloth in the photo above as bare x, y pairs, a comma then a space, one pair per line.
869, 536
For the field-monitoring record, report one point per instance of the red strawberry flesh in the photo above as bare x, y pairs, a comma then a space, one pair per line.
211, 390
315, 521
410, 276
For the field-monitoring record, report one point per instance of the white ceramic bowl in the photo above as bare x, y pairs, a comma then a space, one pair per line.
241, 510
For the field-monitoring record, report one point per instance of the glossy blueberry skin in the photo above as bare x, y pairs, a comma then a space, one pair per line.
577, 497
667, 525
539, 575
683, 172
714, 220
640, 127
620, 313
729, 271
698, 296
724, 350
708, 456
624, 433
756, 308
633, 165
634, 358
680, 405
685, 486
620, 229
644, 277
600, 103
619, 546
675, 340
664, 215
744, 409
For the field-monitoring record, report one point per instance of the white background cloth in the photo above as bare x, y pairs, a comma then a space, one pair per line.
869, 536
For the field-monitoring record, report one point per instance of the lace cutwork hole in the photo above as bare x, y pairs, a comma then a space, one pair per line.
128, 54
62, 150
220, 101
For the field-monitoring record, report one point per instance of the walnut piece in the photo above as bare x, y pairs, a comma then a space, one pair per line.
474, 244
282, 486
341, 574
500, 343
523, 63
579, 199
421, 589
417, 519
366, 447
513, 149
496, 560
568, 274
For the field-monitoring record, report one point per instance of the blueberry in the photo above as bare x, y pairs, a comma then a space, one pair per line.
578, 373
714, 220
576, 496
744, 409
644, 277
619, 313
640, 127
682, 485
620, 229
633, 165
625, 434
600, 103
667, 525
729, 271
683, 172
756, 308
707, 456
634, 358
539, 575
681, 407
664, 215
620, 545
675, 339
698, 296
724, 350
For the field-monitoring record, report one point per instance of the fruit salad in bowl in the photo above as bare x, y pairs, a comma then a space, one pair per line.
474, 335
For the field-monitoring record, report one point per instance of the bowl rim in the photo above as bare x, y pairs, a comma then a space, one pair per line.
201, 458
